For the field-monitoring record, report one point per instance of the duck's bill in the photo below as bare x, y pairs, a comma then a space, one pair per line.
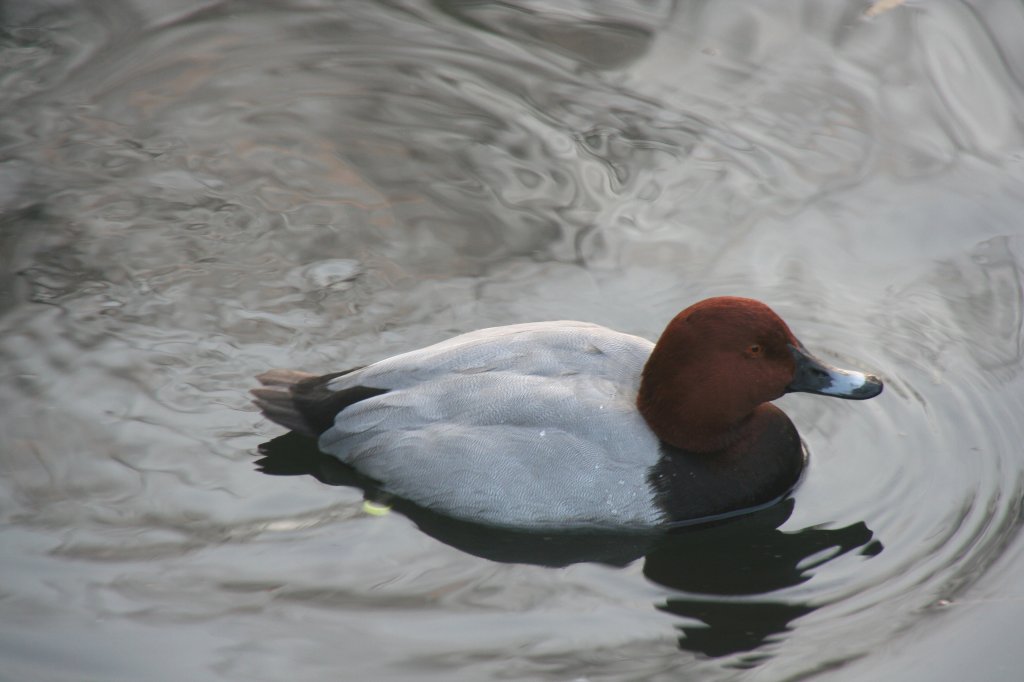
814, 376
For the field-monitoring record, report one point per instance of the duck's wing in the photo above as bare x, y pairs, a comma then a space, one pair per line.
526, 425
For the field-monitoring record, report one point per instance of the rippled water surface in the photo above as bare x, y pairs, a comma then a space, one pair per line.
192, 192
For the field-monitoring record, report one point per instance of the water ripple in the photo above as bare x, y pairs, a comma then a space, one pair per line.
196, 192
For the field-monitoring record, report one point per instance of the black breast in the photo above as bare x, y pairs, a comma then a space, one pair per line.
760, 467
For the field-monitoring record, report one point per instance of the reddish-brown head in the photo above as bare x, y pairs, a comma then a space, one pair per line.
713, 365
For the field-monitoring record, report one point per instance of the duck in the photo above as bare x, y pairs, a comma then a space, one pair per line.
567, 425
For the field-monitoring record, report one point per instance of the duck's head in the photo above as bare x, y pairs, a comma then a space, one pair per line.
718, 361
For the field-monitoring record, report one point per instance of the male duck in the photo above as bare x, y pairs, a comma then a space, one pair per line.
573, 425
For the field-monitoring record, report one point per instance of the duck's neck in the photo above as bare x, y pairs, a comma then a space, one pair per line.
690, 425
684, 406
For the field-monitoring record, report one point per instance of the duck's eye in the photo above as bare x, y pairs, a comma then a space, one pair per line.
755, 350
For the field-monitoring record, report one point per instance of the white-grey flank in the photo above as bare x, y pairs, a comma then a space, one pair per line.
494, 431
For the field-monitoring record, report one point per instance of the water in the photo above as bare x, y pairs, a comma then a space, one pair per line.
192, 192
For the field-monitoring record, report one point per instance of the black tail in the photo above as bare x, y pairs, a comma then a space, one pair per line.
302, 402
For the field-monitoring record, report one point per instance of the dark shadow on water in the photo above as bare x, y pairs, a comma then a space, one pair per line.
728, 569
746, 557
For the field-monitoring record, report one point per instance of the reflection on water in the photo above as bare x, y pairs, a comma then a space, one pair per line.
748, 556
985, 293
193, 191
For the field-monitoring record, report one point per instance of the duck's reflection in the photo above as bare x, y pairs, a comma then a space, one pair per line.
745, 557
726, 564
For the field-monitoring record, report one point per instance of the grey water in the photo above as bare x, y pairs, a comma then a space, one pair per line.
193, 191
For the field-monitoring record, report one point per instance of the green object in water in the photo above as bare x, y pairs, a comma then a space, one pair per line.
375, 508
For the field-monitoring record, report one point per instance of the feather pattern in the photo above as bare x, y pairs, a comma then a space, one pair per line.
523, 425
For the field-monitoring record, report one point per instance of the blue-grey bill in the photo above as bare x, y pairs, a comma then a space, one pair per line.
814, 376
